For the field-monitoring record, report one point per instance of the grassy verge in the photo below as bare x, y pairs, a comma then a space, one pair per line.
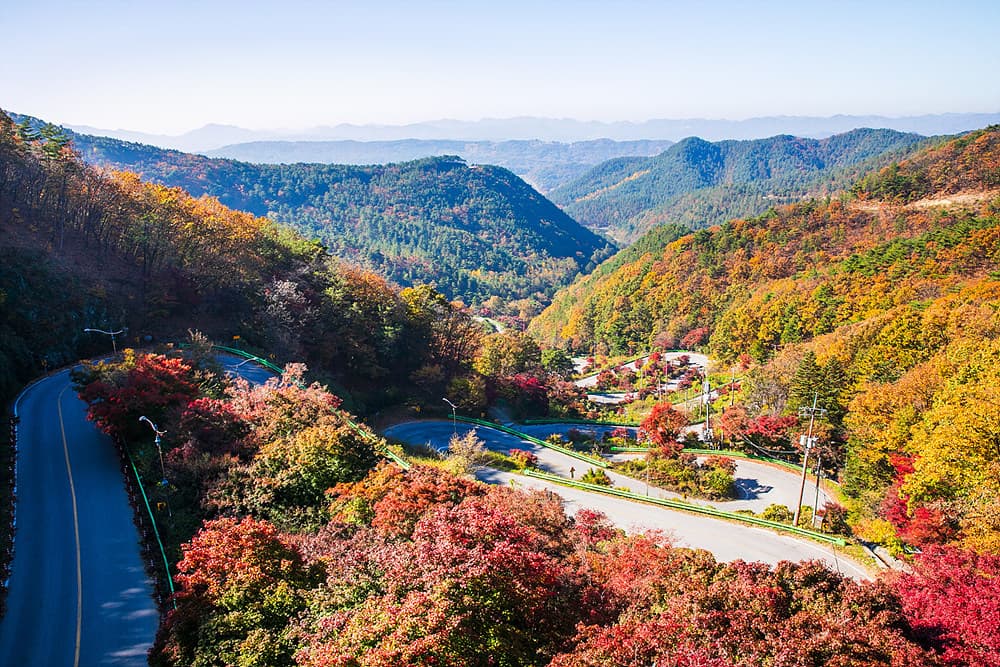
600, 463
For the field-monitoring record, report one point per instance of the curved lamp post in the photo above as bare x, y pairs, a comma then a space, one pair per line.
114, 346
454, 419
159, 448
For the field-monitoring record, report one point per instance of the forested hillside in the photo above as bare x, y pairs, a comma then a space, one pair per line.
544, 164
697, 183
883, 300
81, 248
473, 231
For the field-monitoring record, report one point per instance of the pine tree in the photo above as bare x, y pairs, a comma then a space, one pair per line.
807, 382
834, 382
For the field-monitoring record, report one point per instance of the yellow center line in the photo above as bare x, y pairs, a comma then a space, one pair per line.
76, 530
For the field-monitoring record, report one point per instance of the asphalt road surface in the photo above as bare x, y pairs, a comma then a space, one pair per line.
758, 484
78, 594
726, 540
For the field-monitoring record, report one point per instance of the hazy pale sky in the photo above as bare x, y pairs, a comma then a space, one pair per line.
172, 66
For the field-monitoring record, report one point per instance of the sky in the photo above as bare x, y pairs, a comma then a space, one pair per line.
169, 67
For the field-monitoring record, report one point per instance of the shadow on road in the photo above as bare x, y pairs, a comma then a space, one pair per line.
751, 489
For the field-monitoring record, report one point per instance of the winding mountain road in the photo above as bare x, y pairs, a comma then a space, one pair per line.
758, 484
727, 541
78, 592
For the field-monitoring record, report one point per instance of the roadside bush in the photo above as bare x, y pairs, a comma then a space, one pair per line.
778, 513
523, 459
594, 476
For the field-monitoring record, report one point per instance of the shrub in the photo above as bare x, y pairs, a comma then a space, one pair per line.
778, 513
594, 476
523, 459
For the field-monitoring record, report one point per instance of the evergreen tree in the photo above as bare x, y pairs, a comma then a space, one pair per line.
835, 381
807, 382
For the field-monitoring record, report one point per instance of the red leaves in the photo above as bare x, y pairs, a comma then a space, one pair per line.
764, 431
484, 581
679, 609
694, 338
952, 597
659, 641
210, 426
663, 426
422, 489
229, 557
280, 408
916, 523
239, 584
770, 430
145, 384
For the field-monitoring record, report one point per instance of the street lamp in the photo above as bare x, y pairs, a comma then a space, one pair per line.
454, 419
108, 333
159, 448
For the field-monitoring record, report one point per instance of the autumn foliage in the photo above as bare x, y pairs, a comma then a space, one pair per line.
309, 554
663, 427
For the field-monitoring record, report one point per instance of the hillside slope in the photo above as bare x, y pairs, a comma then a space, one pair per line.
698, 183
473, 231
884, 302
675, 285
80, 248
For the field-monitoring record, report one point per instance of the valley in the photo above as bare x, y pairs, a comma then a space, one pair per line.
296, 534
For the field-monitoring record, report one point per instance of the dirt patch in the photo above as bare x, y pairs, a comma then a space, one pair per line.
962, 199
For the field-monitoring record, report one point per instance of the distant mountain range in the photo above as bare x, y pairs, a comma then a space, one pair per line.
544, 164
212, 137
473, 231
700, 183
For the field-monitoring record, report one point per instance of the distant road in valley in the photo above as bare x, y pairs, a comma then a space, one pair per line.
726, 540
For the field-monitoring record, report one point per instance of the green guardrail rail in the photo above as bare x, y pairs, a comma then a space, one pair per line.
600, 463
582, 422
689, 507
252, 357
152, 520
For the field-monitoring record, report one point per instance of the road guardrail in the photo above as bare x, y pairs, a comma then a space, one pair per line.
689, 507
600, 463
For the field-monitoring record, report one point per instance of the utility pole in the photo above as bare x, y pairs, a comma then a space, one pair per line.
706, 432
114, 346
732, 389
807, 442
819, 473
